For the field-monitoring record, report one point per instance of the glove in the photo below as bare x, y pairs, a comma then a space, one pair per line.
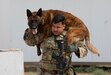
81, 52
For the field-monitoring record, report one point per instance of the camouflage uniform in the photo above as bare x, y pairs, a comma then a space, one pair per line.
47, 64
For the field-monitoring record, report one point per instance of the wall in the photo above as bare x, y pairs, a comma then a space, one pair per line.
94, 13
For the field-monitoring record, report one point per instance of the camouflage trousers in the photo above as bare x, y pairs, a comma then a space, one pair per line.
40, 71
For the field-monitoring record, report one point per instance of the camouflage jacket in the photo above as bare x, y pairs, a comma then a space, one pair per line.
49, 46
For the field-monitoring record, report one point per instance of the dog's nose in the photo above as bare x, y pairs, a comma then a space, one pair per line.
34, 25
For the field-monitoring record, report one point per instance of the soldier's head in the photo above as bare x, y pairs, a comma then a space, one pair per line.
58, 24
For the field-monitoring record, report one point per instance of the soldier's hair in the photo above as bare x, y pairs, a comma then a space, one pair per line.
59, 18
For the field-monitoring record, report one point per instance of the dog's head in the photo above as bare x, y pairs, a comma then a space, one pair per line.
35, 20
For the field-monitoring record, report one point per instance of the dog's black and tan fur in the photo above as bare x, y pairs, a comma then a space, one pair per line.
41, 20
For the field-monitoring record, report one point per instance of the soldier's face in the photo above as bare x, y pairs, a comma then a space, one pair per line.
58, 28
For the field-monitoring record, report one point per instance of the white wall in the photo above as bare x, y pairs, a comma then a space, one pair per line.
94, 13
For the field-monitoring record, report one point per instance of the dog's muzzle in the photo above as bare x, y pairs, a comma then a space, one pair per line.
33, 26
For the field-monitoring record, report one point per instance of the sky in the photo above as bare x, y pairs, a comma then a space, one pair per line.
94, 13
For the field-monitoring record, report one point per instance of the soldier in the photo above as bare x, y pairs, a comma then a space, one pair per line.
51, 50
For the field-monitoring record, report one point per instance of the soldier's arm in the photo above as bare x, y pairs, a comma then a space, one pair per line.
29, 38
79, 49
72, 48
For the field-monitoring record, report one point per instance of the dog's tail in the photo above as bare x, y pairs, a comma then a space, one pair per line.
89, 45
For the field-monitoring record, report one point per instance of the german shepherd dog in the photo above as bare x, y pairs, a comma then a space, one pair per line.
40, 24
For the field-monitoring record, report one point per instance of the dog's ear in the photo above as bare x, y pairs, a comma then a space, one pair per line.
39, 13
28, 13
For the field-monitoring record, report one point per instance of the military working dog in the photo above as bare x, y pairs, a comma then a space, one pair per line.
40, 27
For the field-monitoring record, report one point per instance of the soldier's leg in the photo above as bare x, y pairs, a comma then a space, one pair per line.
71, 71
39, 71
48, 73
44, 72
